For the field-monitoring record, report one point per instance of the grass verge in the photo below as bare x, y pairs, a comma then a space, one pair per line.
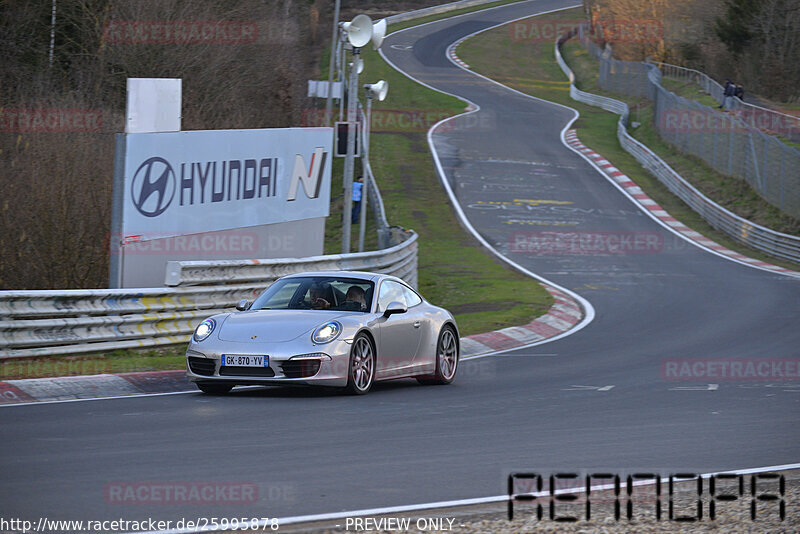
530, 67
690, 91
118, 361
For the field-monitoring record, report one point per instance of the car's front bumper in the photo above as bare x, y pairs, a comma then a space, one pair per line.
320, 365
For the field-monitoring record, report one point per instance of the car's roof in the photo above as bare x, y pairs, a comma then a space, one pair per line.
343, 274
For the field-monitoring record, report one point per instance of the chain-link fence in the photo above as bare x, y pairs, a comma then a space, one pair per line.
768, 121
725, 140
746, 232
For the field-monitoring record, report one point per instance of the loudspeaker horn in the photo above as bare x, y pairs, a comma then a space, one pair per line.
359, 30
378, 33
378, 90
359, 65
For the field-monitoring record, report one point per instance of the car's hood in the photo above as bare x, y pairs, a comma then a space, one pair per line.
272, 326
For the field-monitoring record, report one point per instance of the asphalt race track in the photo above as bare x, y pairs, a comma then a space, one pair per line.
546, 409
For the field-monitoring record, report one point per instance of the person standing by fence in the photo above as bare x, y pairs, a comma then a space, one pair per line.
730, 89
357, 186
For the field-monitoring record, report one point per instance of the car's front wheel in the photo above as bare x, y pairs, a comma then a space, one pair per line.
361, 371
446, 358
213, 389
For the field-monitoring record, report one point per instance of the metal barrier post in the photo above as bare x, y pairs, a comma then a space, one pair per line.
730, 149
783, 173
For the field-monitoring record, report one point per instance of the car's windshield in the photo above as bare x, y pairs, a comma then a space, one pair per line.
317, 293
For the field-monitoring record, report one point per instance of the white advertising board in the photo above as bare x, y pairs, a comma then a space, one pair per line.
180, 183
154, 105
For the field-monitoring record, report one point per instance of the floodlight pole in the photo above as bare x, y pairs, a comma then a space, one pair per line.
349, 162
334, 50
365, 184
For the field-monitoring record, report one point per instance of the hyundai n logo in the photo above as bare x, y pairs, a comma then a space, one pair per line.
153, 187
155, 183
311, 177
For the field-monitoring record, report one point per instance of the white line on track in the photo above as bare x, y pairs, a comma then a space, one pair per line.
242, 388
282, 521
134, 396
589, 310
585, 304
588, 307
582, 155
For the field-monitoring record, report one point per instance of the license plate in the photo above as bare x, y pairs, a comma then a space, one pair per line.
240, 360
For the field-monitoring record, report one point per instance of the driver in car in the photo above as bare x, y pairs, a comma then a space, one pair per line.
317, 295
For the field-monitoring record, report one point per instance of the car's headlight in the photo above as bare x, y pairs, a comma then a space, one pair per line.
204, 330
327, 332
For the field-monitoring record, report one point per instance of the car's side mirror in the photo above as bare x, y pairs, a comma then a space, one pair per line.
395, 307
243, 305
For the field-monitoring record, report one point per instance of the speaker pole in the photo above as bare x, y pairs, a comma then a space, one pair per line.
379, 91
334, 50
349, 162
341, 55
364, 155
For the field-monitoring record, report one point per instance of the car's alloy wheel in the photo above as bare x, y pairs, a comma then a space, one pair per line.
446, 358
214, 389
362, 366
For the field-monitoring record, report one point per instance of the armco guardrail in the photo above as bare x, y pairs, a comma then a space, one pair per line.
400, 260
740, 229
42, 323
732, 142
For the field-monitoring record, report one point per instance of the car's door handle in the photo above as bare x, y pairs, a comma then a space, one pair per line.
417, 324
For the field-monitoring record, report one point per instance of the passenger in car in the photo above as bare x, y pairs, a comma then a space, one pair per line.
355, 299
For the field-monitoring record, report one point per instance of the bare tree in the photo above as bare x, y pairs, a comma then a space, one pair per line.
655, 27
775, 48
55, 214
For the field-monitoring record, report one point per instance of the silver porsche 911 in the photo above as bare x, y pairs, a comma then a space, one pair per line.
343, 329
